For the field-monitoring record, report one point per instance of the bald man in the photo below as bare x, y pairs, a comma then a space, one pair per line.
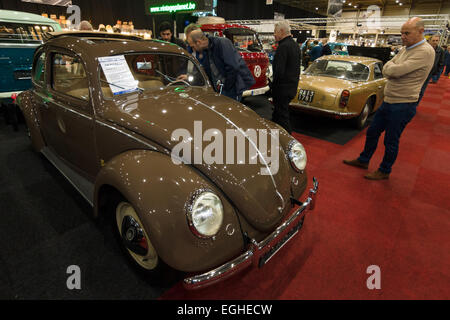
226, 70
85, 26
405, 73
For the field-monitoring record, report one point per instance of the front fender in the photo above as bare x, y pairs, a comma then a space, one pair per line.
159, 190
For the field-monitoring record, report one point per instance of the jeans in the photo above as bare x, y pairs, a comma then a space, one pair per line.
393, 119
281, 111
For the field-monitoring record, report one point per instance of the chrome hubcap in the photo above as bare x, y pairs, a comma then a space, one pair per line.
134, 237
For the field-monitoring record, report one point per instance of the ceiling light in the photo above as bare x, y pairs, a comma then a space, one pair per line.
400, 3
317, 8
355, 6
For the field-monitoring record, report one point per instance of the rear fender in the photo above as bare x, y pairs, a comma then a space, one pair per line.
27, 106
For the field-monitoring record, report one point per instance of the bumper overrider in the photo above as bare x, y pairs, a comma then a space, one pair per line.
260, 253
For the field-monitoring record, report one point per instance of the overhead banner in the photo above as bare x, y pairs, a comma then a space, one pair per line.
335, 8
62, 3
175, 6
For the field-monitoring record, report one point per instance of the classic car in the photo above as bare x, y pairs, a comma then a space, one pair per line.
20, 35
104, 110
342, 87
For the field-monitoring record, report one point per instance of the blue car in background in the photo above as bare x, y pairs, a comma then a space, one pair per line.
20, 34
338, 48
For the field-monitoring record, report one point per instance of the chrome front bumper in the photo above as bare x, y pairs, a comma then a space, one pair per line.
260, 253
255, 92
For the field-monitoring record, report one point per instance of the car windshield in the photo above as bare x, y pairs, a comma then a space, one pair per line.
244, 39
23, 33
345, 70
145, 71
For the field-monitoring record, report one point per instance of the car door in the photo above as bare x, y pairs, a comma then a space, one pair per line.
67, 112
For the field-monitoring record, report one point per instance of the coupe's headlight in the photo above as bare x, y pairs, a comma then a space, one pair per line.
297, 155
205, 214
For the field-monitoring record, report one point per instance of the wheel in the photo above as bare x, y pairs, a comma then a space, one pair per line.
134, 238
134, 242
361, 121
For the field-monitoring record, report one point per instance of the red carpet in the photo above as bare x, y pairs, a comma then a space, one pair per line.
401, 225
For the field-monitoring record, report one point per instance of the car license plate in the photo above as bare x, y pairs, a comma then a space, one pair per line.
306, 95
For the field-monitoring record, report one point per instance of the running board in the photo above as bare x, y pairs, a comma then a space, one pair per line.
83, 186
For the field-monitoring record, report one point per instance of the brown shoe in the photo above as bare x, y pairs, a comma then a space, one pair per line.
377, 175
356, 163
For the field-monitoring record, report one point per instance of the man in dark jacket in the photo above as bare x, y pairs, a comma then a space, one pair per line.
223, 64
438, 65
286, 74
166, 34
447, 60
326, 50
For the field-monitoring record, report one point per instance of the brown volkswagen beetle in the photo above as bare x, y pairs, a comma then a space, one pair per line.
120, 118
342, 87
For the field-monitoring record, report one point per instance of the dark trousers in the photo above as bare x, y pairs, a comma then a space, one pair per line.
393, 119
281, 111
447, 70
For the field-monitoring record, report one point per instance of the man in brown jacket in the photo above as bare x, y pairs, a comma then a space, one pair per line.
406, 73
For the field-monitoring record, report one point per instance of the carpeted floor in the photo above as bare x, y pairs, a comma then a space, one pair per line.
401, 225
46, 226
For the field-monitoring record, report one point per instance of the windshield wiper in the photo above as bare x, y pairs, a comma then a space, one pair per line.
172, 80
120, 87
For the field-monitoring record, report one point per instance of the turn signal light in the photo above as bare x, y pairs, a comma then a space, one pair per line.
345, 96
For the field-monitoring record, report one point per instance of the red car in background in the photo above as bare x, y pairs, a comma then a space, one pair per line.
250, 47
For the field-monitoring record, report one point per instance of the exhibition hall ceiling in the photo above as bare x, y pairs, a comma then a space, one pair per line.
320, 6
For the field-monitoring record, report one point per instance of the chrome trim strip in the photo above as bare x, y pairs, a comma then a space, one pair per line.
330, 112
19, 45
8, 94
256, 250
127, 134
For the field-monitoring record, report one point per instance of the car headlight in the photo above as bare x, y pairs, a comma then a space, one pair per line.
297, 155
205, 214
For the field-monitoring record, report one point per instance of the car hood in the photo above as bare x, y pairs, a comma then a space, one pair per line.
262, 199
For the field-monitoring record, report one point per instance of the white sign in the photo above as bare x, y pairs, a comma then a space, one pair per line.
118, 74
